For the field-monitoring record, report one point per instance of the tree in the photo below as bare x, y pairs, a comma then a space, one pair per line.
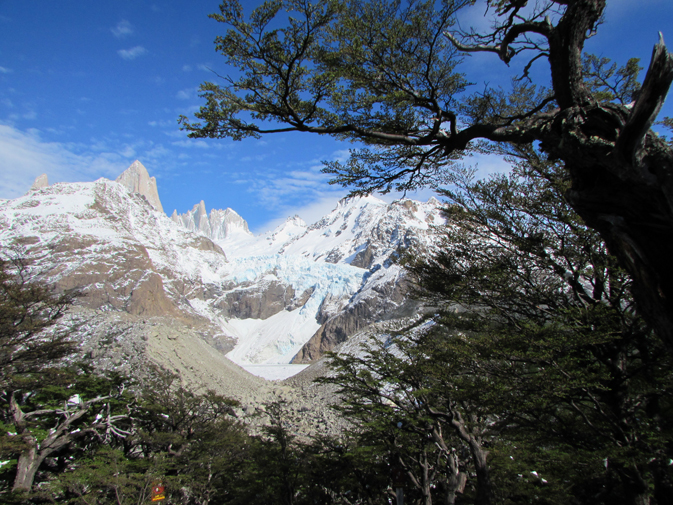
30, 339
193, 438
390, 392
536, 364
49, 417
541, 321
387, 74
46, 407
187, 441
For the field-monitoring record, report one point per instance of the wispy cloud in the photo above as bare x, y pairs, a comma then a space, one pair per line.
186, 94
133, 53
24, 156
304, 191
122, 30
5, 70
310, 212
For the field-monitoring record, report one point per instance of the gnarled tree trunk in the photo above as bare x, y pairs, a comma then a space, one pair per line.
622, 185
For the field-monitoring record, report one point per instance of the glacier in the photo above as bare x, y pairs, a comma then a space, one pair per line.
277, 339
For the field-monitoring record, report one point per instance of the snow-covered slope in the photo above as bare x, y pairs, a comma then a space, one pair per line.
110, 244
366, 235
360, 231
277, 337
287, 295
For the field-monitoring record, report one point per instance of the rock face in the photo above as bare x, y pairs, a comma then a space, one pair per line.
219, 225
41, 181
137, 180
260, 301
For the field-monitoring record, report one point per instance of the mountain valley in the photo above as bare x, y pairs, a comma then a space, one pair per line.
199, 294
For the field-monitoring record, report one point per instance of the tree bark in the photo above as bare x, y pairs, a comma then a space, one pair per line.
27, 465
30, 459
479, 458
622, 186
484, 488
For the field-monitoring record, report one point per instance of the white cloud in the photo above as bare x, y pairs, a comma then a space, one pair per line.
128, 152
122, 30
310, 212
4, 70
257, 158
24, 156
186, 68
133, 53
487, 164
199, 143
164, 123
186, 94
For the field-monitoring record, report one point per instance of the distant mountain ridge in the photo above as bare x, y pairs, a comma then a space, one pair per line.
218, 225
288, 295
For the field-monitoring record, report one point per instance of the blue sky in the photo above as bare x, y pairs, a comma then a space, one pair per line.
87, 87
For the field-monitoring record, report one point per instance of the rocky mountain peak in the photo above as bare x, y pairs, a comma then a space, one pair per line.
137, 180
219, 225
41, 181
296, 221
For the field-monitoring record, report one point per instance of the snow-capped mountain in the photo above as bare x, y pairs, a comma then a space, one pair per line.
219, 225
366, 235
365, 231
285, 296
111, 245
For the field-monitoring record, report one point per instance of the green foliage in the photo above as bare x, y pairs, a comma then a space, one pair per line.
405, 417
542, 322
378, 72
107, 476
29, 313
609, 83
537, 352
61, 415
384, 74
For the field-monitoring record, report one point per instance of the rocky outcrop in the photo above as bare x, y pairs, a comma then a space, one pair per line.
260, 301
137, 180
219, 225
364, 257
41, 181
336, 331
